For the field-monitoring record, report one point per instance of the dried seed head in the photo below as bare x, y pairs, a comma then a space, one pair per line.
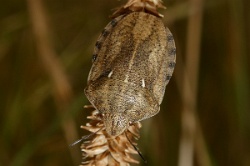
103, 149
149, 6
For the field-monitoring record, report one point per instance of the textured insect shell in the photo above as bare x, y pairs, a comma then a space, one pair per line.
133, 61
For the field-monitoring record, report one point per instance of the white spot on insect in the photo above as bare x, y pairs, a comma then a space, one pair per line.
143, 83
126, 79
110, 74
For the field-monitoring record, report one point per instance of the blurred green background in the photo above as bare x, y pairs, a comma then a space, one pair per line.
44, 72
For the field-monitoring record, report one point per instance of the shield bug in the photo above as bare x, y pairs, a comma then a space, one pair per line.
133, 61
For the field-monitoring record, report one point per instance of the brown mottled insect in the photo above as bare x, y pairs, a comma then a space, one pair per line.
133, 61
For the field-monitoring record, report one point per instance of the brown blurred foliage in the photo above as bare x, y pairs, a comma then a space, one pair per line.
43, 74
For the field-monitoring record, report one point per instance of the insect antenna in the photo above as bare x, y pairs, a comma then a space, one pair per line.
137, 149
84, 138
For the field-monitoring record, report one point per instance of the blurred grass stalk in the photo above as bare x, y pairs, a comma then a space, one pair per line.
191, 140
62, 89
238, 53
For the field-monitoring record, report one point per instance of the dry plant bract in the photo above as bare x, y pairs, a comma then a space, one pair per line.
149, 6
102, 150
